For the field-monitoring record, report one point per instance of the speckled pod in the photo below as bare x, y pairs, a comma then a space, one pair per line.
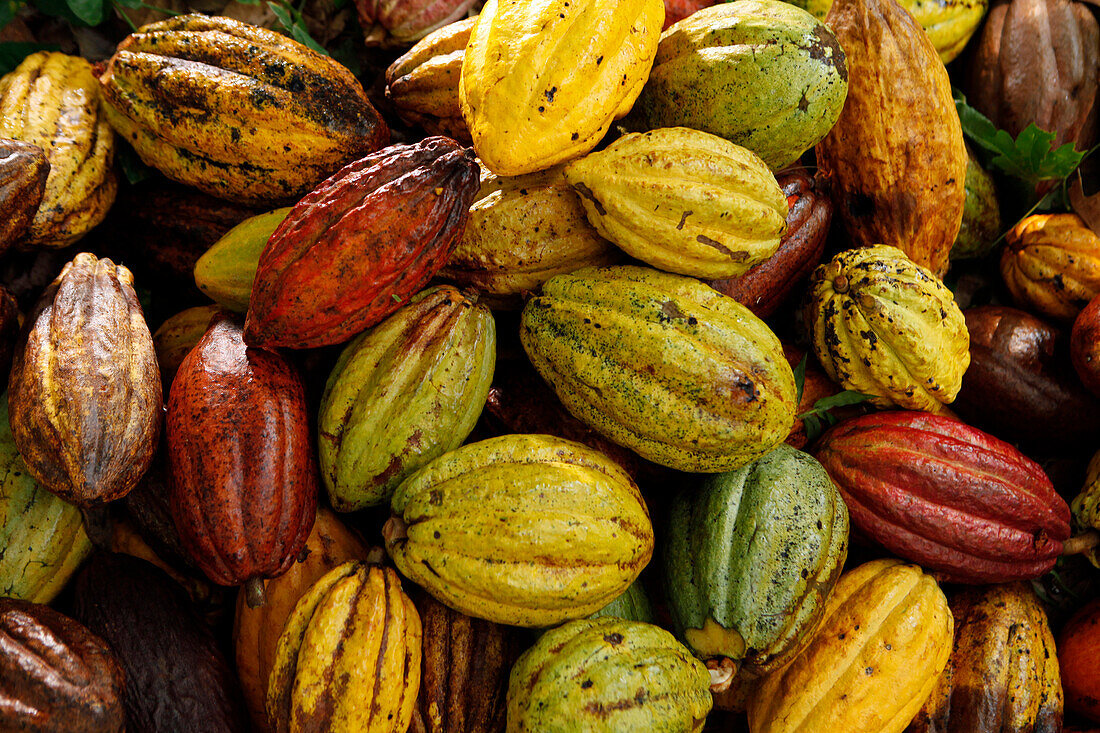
525, 530
607, 676
887, 327
662, 364
1051, 264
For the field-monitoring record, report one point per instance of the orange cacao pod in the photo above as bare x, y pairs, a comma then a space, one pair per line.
1052, 264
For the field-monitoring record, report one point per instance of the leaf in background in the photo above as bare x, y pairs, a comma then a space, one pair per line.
301, 35
841, 399
282, 12
132, 4
8, 9
57, 9
91, 12
800, 377
12, 53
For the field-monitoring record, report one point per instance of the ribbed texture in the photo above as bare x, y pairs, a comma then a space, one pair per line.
405, 21
1052, 264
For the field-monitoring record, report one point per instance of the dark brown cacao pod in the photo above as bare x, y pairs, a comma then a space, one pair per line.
23, 171
1020, 386
55, 675
177, 679
1084, 345
764, 288
149, 508
84, 389
366, 240
9, 331
244, 478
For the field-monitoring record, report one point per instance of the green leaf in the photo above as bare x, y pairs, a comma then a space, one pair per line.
8, 9
301, 35
12, 53
282, 12
57, 9
88, 11
132, 167
800, 378
841, 399
132, 4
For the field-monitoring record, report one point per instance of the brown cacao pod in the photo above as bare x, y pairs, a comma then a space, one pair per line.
895, 159
366, 240
9, 331
464, 670
1051, 264
176, 676
84, 389
1084, 345
1002, 676
24, 168
244, 478
767, 285
1019, 385
947, 496
1038, 62
56, 676
400, 22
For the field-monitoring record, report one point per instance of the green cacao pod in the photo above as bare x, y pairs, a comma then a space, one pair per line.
760, 73
403, 394
1086, 505
632, 605
525, 530
751, 558
981, 222
608, 675
683, 201
662, 364
177, 336
887, 327
225, 271
42, 535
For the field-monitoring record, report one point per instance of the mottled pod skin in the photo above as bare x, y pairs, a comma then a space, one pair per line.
1085, 507
348, 659
57, 676
981, 222
84, 390
244, 479
1003, 673
948, 496
367, 239
1051, 264
401, 22
484, 530
24, 169
608, 675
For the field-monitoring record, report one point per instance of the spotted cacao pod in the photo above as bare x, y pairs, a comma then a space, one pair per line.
1052, 264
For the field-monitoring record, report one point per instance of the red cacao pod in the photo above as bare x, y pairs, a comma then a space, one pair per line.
947, 496
364, 241
810, 211
397, 22
677, 10
244, 479
1084, 345
1079, 659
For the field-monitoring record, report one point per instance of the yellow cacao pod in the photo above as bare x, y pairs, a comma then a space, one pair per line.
1052, 264
543, 80
887, 327
52, 100
1086, 505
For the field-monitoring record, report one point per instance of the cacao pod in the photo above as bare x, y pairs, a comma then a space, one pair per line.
641, 190
85, 389
997, 682
542, 81
607, 675
683, 375
1086, 505
1084, 345
885, 326
400, 22
240, 519
632, 605
237, 111
884, 640
816, 385
677, 10
349, 656
51, 100
10, 322
948, 496
422, 85
225, 271
24, 169
403, 394
148, 508
366, 239
751, 557
481, 529
895, 159
1079, 661
1052, 264
981, 222
57, 676
177, 336
761, 73
768, 284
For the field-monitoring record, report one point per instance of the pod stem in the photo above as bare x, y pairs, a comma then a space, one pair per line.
1082, 543
254, 594
394, 531
722, 671
375, 555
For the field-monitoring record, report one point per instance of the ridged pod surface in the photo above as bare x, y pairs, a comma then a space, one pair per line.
887, 327
608, 675
543, 80
522, 231
948, 496
237, 111
662, 364
683, 201
1052, 264
751, 557
57, 676
244, 485
52, 100
84, 389
525, 530
1085, 507
883, 642
1003, 673
355, 248
763, 74
895, 159
225, 271
403, 394
24, 169
349, 656
42, 535
400, 22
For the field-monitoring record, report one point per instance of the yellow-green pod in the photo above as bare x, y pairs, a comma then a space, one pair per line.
225, 271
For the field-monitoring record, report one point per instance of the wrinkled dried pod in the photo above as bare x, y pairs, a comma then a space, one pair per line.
895, 158
23, 172
84, 389
57, 676
400, 22
1052, 264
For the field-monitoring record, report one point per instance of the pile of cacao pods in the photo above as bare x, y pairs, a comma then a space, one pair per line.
573, 365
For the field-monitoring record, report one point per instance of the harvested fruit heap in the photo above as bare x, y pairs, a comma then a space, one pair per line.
563, 365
